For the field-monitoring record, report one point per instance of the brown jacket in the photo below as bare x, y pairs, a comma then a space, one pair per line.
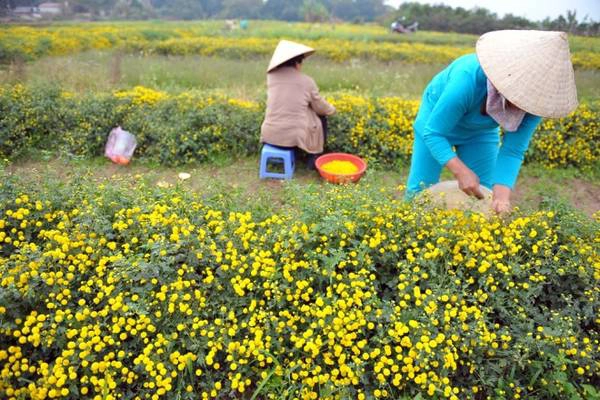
293, 109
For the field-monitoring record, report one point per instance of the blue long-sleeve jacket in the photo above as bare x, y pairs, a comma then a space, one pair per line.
450, 114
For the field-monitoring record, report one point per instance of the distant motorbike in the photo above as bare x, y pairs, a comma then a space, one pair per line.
399, 27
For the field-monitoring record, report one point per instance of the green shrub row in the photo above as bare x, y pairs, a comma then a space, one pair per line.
191, 127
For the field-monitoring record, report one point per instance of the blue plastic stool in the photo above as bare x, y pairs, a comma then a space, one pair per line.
278, 155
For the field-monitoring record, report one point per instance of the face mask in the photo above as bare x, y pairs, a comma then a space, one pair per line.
507, 115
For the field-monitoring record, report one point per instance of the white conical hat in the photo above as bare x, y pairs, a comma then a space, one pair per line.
532, 69
286, 50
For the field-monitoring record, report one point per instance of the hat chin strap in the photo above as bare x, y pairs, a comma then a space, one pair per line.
507, 115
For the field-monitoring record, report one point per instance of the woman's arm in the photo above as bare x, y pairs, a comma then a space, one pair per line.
319, 104
512, 151
508, 163
452, 104
450, 107
468, 181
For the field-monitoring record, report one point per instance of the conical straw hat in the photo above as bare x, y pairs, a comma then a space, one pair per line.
532, 69
286, 50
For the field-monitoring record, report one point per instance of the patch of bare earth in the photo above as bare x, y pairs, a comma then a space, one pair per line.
581, 194
242, 175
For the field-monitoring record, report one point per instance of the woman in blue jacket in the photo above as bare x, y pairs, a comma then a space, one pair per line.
514, 79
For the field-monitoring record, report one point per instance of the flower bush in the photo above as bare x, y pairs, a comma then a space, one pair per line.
340, 43
334, 49
565, 141
193, 127
120, 290
169, 129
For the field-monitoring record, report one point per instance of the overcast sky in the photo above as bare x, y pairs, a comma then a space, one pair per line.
535, 10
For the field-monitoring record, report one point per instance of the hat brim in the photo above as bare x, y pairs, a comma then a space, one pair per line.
285, 51
531, 69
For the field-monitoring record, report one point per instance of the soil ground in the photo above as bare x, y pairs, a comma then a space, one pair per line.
536, 184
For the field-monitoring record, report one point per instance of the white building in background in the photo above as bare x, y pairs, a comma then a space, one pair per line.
51, 8
24, 10
25, 13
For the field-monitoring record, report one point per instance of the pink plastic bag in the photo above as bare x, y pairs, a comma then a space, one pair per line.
120, 146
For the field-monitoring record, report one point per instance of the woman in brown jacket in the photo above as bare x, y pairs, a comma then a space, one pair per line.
295, 115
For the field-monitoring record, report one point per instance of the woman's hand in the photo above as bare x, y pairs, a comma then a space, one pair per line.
468, 181
501, 199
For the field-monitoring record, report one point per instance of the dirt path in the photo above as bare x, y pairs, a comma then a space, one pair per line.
579, 193
241, 177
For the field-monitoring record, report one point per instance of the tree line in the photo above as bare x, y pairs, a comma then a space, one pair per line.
430, 17
480, 20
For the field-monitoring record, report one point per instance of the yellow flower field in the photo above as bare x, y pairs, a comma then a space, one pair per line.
137, 293
338, 42
124, 288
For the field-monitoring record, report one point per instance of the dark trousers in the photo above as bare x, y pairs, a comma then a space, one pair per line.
310, 161
323, 119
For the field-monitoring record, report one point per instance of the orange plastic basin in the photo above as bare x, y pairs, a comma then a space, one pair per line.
360, 164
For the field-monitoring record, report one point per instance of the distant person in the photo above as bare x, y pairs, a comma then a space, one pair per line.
230, 24
514, 79
296, 114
